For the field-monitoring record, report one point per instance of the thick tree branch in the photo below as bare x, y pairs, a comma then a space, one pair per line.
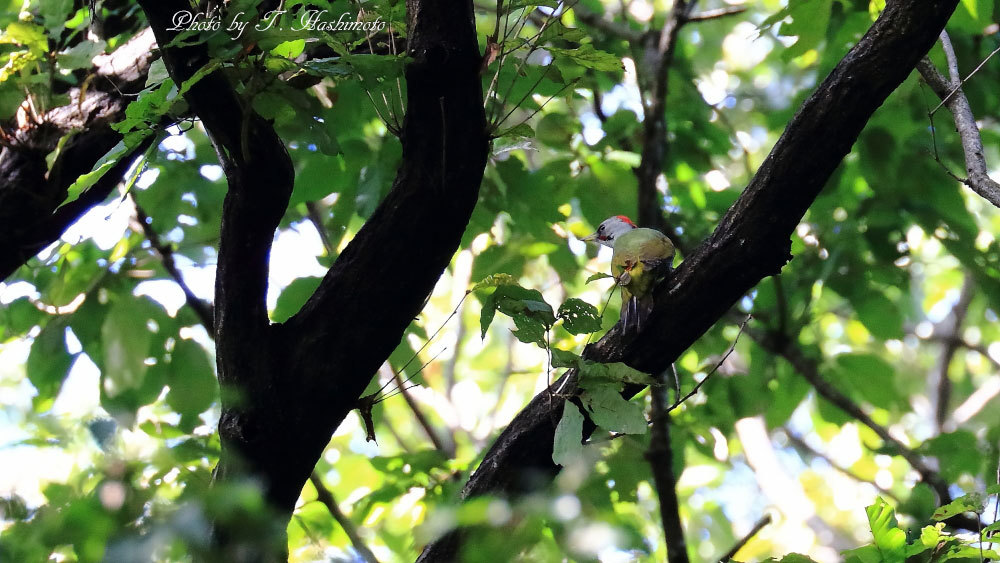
951, 94
356, 317
297, 381
257, 413
32, 209
752, 240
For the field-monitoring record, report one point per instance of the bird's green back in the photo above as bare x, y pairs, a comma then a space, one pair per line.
636, 248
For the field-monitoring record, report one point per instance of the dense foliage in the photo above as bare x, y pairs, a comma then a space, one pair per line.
107, 371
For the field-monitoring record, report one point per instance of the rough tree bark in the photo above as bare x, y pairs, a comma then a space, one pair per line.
287, 386
32, 214
752, 241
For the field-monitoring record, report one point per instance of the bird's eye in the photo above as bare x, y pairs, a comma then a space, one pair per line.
600, 229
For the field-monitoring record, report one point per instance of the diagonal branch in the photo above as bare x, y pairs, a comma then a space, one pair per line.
166, 252
751, 241
324, 496
952, 96
808, 369
612, 28
32, 209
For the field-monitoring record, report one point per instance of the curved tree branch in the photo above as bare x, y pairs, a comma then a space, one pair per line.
32, 212
952, 96
751, 241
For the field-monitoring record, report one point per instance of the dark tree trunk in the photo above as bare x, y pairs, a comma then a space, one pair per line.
287, 387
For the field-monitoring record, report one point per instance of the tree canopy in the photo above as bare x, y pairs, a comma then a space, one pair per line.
304, 280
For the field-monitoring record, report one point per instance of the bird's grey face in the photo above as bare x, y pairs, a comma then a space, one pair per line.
608, 231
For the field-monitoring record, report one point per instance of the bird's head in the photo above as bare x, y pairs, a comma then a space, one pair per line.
610, 229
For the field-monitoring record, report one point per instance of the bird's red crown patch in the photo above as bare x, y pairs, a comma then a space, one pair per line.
626, 219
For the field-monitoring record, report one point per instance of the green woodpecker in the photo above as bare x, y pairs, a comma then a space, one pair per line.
641, 258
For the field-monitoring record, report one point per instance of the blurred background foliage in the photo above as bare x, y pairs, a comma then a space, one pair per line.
109, 401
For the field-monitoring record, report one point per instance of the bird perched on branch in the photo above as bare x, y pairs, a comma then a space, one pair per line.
642, 257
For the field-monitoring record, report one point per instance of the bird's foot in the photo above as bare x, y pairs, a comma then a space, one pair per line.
624, 279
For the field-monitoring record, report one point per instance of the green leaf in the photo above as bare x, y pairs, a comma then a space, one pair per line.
958, 453
871, 376
289, 49
931, 535
333, 67
579, 317
100, 168
810, 19
529, 330
594, 373
987, 530
568, 442
972, 502
54, 13
611, 411
519, 4
599, 276
520, 130
586, 56
495, 280
487, 313
80, 55
157, 73
880, 316
27, 34
293, 297
532, 315
889, 538
49, 361
564, 358
191, 379
791, 558
126, 342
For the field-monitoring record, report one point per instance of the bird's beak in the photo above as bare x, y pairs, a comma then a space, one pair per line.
590, 238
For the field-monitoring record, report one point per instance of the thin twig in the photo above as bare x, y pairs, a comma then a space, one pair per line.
715, 14
324, 496
952, 325
764, 521
801, 444
732, 347
945, 99
951, 94
316, 219
428, 341
166, 252
447, 449
809, 370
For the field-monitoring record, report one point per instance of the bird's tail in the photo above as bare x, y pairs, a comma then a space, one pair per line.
635, 312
